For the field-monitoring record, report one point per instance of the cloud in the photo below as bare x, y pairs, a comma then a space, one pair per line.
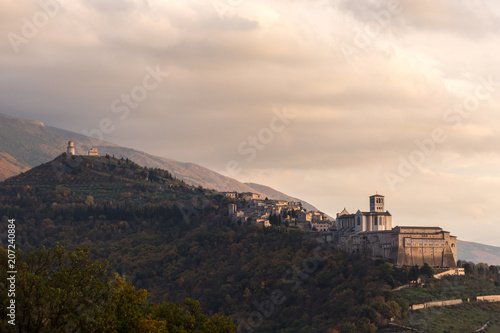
358, 111
470, 19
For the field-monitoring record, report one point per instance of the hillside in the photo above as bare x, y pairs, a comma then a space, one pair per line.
25, 144
477, 252
177, 241
480, 280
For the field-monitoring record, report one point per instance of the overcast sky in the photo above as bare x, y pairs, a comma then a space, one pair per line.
330, 101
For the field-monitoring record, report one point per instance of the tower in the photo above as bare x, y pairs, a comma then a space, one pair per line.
232, 209
377, 203
70, 150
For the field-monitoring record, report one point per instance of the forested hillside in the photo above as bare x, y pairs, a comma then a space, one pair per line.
177, 242
65, 291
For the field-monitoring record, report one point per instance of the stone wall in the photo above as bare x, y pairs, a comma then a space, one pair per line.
434, 304
456, 271
491, 298
434, 257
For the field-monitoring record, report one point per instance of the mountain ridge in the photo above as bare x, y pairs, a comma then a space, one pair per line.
477, 252
27, 143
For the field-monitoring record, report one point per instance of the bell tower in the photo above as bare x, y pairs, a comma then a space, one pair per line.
70, 150
377, 203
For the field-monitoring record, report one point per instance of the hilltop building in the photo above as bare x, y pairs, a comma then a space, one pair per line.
373, 232
70, 150
374, 220
250, 196
232, 195
93, 152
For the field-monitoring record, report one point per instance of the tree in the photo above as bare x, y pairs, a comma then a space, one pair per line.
468, 268
427, 270
365, 326
59, 291
66, 291
126, 308
482, 268
187, 317
89, 200
348, 328
404, 305
414, 273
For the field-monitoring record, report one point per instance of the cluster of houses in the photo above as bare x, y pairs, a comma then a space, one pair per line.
252, 208
361, 232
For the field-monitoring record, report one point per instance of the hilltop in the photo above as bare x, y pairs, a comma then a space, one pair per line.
102, 177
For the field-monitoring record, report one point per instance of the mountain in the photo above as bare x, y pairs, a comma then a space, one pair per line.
477, 253
27, 143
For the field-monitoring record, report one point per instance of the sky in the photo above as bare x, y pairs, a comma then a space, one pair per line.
329, 101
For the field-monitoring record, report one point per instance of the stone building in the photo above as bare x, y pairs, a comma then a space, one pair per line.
372, 232
70, 150
232, 195
249, 196
232, 209
93, 152
320, 226
304, 216
374, 220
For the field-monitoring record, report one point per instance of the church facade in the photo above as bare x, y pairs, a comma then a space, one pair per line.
372, 232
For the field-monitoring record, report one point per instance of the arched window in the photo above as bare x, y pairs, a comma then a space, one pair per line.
359, 220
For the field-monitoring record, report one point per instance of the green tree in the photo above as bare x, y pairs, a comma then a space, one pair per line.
427, 270
414, 273
59, 291
348, 328
365, 326
66, 291
127, 307
187, 317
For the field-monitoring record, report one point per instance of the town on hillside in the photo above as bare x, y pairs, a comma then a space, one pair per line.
361, 232
252, 208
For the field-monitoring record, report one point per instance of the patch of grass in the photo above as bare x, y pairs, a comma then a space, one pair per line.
460, 318
494, 325
453, 287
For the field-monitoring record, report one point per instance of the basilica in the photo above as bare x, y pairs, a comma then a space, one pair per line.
372, 232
